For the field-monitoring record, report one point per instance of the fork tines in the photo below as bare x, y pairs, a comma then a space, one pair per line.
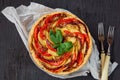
100, 29
111, 32
110, 38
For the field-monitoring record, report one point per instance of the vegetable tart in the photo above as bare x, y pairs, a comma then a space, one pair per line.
60, 43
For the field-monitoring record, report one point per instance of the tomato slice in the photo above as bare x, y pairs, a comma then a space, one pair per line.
80, 58
58, 69
42, 36
66, 21
50, 18
68, 33
57, 62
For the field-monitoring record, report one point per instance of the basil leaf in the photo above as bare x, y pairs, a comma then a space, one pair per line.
68, 46
53, 37
60, 51
56, 37
59, 36
64, 47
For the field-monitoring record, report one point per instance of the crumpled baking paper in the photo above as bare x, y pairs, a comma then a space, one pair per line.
24, 17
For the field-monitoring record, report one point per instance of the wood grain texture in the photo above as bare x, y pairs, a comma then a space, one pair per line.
15, 63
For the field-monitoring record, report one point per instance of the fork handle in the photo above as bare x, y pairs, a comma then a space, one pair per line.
102, 60
105, 69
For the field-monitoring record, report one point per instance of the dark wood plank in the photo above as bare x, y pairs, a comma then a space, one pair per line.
15, 63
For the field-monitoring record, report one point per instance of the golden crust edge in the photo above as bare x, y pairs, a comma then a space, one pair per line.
38, 63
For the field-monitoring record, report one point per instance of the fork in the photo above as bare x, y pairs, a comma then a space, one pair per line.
107, 59
101, 39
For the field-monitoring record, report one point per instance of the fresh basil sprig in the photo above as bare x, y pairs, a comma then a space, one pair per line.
57, 39
64, 47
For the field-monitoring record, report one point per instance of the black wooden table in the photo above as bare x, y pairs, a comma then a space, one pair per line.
15, 63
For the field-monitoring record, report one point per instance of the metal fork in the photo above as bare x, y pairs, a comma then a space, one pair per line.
110, 38
107, 59
101, 39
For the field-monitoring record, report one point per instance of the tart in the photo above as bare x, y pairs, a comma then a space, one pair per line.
60, 43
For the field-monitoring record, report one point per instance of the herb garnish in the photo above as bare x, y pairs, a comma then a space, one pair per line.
57, 39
